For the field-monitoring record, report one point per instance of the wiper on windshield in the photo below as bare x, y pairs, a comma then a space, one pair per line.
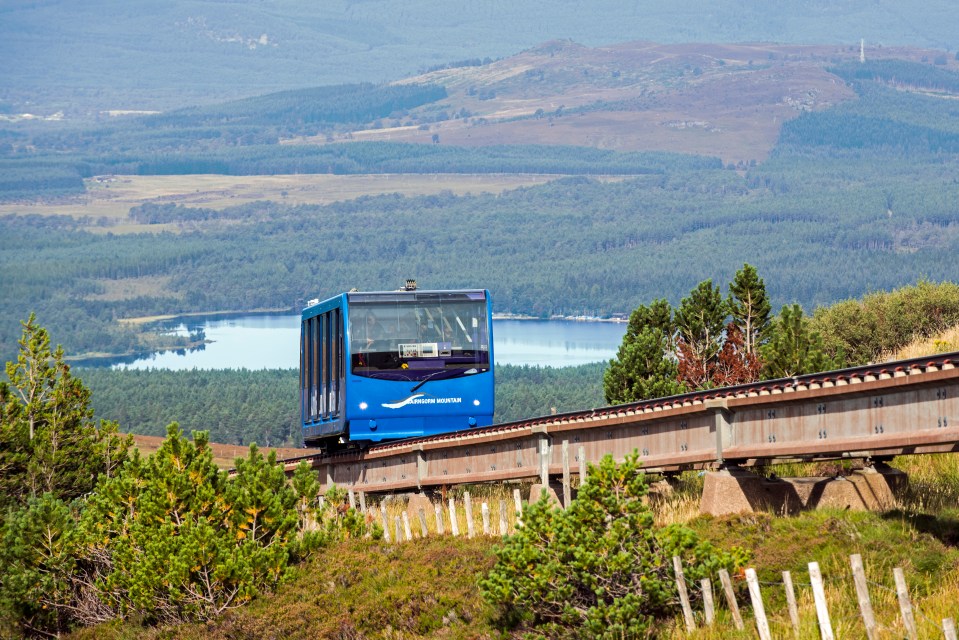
451, 373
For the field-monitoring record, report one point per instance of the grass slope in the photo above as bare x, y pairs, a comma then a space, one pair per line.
427, 589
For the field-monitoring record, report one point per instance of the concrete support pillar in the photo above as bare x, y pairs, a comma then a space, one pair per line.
419, 501
735, 490
724, 426
553, 492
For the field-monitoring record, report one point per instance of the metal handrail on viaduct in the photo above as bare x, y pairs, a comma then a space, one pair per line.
875, 411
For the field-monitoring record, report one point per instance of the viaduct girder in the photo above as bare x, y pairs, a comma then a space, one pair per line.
876, 411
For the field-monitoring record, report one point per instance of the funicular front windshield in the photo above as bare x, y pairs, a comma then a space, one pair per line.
418, 336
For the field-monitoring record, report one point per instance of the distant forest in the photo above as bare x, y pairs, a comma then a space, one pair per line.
857, 198
239, 407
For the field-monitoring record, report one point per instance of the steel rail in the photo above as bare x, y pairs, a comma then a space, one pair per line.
691, 430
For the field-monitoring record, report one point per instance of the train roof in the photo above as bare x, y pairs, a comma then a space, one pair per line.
401, 295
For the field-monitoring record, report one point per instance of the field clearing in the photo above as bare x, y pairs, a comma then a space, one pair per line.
111, 198
224, 455
734, 113
128, 288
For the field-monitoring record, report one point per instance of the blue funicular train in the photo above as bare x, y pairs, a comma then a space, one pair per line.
385, 365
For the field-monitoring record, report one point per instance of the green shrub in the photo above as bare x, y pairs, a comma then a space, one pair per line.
167, 538
38, 555
885, 321
599, 569
176, 539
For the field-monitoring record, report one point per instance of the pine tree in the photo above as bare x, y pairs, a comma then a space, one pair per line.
182, 541
735, 365
750, 307
38, 552
644, 367
601, 568
793, 348
700, 319
642, 370
48, 439
658, 315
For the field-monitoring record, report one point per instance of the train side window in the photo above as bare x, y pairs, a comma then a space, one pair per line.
328, 362
303, 354
307, 375
321, 365
314, 367
336, 347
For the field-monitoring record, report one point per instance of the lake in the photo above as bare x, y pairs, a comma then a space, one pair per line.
272, 342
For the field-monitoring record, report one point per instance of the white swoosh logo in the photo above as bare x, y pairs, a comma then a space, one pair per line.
403, 403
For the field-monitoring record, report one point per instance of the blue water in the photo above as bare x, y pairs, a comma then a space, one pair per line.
272, 342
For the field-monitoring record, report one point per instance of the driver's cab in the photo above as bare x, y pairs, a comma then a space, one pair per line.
413, 338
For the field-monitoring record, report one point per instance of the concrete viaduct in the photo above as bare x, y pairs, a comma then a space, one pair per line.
871, 412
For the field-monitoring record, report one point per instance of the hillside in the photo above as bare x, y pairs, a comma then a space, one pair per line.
100, 56
714, 100
833, 177
428, 589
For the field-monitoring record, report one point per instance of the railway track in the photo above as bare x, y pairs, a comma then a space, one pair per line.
906, 406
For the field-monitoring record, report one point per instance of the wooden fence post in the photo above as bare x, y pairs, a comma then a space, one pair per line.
469, 514
756, 596
352, 499
731, 598
949, 628
683, 594
424, 531
406, 526
567, 489
386, 522
438, 508
862, 594
503, 524
905, 606
544, 462
708, 610
362, 503
454, 525
819, 594
791, 601
582, 465
484, 508
518, 501
397, 530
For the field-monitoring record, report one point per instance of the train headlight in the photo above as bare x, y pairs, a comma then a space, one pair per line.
363, 406
475, 403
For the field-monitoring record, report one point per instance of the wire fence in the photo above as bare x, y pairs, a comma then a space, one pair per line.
866, 620
405, 520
